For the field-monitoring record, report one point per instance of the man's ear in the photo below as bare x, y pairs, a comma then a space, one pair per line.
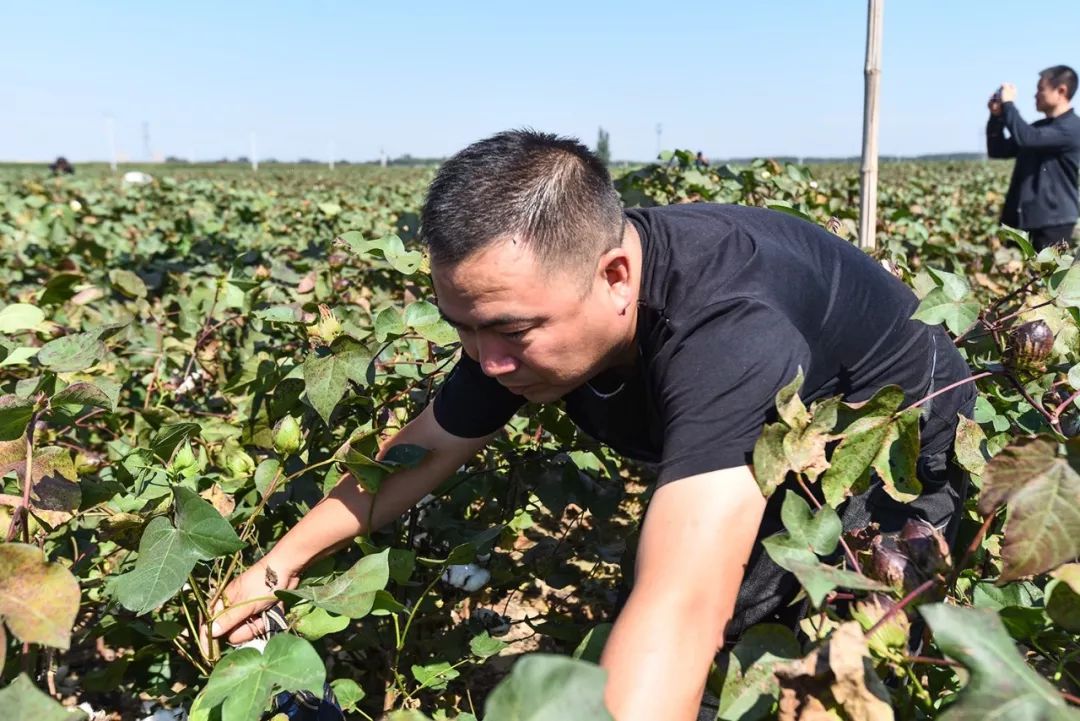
615, 270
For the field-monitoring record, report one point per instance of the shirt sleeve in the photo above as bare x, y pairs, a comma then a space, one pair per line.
1045, 137
997, 145
719, 386
470, 404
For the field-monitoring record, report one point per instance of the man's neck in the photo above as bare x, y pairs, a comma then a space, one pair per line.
1059, 111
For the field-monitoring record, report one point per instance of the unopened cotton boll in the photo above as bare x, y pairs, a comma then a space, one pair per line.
468, 577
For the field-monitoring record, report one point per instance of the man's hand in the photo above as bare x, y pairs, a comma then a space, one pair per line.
1008, 93
695, 543
247, 596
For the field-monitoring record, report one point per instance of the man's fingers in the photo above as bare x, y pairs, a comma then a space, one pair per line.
235, 616
249, 629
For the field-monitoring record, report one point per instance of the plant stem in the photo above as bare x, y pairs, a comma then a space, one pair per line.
946, 389
20, 517
921, 589
972, 547
817, 506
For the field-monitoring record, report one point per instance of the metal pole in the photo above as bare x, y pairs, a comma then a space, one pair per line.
254, 159
869, 171
659, 132
110, 134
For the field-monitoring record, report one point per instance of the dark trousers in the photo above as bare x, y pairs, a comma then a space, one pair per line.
1043, 238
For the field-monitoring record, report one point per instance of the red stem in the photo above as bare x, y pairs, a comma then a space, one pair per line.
921, 589
817, 505
949, 387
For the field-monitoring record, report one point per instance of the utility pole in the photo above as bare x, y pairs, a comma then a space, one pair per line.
331, 155
110, 136
254, 158
659, 133
868, 173
147, 156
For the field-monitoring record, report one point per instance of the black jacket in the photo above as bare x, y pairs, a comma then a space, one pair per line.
1043, 190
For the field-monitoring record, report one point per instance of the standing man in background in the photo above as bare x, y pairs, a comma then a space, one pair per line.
1043, 197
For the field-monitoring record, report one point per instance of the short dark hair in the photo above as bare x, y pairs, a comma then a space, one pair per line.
549, 191
1061, 75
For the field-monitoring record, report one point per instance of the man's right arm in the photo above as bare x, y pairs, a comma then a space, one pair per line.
997, 145
343, 515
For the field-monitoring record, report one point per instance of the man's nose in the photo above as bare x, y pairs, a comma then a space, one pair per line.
494, 358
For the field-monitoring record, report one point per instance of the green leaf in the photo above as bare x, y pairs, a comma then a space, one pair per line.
202, 527
161, 569
19, 317
421, 313
749, 687
1067, 289
1063, 597
955, 287
352, 593
485, 646
819, 531
347, 692
318, 623
19, 356
72, 353
127, 283
170, 436
21, 699
1042, 494
15, 414
1027, 250
591, 647
38, 599
87, 393
245, 680
1001, 684
388, 322
817, 578
327, 377
435, 676
405, 455
543, 687
265, 474
937, 308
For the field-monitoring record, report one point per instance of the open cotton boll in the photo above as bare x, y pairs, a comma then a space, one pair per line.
168, 714
259, 644
468, 577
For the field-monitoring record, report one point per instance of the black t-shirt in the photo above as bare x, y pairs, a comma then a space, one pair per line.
734, 300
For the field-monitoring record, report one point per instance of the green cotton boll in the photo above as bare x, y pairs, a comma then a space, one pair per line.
184, 463
287, 436
239, 463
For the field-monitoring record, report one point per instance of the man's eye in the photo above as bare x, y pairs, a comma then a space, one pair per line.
516, 334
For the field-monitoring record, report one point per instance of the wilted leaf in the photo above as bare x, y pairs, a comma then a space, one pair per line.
1001, 685
880, 439
54, 478
542, 687
127, 283
839, 674
245, 680
352, 593
770, 461
38, 599
970, 445
87, 393
1042, 494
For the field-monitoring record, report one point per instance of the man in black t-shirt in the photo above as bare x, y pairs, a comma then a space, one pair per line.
667, 332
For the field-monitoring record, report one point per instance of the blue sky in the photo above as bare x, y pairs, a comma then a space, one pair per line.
730, 78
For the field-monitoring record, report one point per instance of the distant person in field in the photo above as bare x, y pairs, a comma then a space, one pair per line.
61, 166
701, 161
667, 333
1043, 197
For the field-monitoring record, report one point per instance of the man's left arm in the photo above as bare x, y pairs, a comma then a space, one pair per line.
695, 543
1047, 137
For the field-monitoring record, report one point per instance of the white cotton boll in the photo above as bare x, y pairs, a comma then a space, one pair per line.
468, 577
168, 714
134, 177
92, 714
259, 644
813, 183
495, 623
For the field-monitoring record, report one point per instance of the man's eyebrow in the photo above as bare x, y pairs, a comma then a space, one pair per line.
496, 321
